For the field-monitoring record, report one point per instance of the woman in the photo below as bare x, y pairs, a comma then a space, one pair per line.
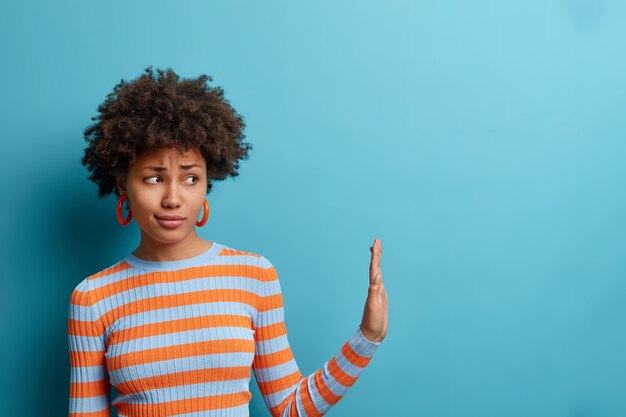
178, 323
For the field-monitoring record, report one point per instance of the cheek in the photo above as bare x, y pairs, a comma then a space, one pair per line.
144, 205
200, 201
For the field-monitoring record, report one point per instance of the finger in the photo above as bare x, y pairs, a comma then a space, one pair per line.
372, 263
374, 287
376, 251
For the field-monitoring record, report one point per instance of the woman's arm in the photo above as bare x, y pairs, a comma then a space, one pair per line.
374, 321
285, 391
89, 385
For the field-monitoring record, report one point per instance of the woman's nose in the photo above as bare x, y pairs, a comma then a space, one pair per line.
172, 196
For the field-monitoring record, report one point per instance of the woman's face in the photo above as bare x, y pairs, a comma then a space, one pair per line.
166, 191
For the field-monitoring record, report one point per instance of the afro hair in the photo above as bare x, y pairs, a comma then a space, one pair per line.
161, 109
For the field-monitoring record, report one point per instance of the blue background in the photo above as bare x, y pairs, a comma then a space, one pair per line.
482, 141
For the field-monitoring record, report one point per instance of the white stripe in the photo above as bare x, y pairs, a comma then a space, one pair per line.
87, 374
278, 397
164, 315
169, 366
191, 286
238, 411
179, 339
129, 273
273, 345
299, 405
269, 317
276, 372
181, 392
89, 404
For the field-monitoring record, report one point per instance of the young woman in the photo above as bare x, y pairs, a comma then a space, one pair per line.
178, 323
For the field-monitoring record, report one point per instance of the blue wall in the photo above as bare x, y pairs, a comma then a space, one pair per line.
482, 141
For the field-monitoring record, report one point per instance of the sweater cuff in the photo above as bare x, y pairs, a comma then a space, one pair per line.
363, 346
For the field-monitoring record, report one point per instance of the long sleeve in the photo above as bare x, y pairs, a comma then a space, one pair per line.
89, 382
285, 391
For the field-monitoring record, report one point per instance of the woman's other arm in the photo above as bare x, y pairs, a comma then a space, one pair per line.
89, 385
285, 391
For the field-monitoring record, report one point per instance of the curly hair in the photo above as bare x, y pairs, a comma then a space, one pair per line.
163, 110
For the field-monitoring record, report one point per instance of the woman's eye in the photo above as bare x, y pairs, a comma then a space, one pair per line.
150, 180
193, 177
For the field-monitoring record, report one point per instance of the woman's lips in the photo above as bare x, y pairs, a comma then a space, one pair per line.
170, 223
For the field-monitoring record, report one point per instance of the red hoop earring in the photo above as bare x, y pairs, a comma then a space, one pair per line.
118, 211
206, 214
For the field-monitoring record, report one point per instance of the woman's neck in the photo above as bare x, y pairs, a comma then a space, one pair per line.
150, 250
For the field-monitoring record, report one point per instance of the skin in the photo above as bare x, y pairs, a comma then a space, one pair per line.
173, 190
374, 321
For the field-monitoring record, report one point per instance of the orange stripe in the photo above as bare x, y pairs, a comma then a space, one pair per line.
272, 359
307, 402
88, 389
80, 359
325, 392
279, 384
233, 252
293, 411
185, 274
339, 375
270, 302
80, 298
121, 266
185, 378
353, 357
278, 409
177, 300
180, 351
270, 274
180, 325
271, 331
187, 405
82, 328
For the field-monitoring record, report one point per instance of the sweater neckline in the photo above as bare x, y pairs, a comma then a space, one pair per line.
197, 260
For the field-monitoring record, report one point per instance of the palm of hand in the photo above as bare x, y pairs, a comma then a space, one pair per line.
374, 321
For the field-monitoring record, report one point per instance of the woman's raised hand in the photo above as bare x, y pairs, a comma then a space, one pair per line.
374, 321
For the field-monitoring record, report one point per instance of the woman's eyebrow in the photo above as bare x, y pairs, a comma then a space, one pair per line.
156, 168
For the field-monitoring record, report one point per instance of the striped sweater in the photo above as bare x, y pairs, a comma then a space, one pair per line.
178, 338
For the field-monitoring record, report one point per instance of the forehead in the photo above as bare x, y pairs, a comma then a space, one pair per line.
167, 155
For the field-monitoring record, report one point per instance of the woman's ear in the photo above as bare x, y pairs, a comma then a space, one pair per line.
120, 181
